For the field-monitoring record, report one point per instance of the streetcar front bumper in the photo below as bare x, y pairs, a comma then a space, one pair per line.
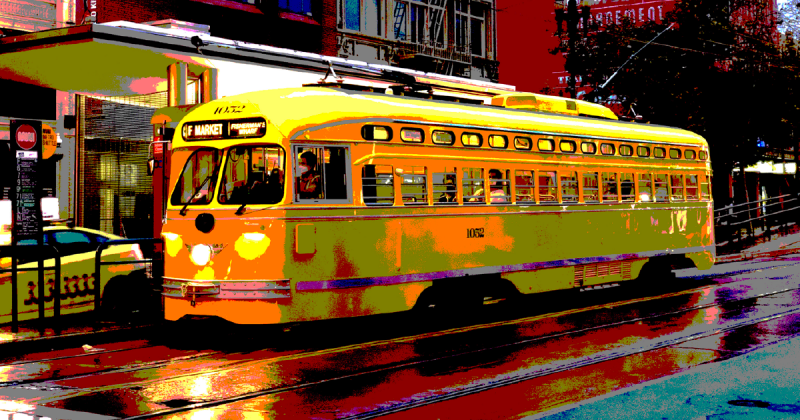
229, 290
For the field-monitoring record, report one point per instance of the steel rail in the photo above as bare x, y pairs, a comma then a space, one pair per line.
499, 383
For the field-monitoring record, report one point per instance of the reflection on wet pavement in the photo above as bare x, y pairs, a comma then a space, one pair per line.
530, 365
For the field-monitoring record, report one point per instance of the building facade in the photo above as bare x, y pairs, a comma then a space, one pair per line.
116, 76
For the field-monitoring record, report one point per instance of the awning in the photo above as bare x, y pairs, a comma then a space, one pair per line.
123, 58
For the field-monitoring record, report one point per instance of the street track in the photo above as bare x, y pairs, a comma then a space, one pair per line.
345, 373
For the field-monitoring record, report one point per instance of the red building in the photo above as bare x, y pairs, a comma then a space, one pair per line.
528, 31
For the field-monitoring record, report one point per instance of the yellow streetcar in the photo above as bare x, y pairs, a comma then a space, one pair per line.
322, 202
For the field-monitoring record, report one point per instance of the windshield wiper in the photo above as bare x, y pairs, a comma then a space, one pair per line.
241, 209
197, 191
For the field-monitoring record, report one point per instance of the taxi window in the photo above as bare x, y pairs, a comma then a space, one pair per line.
68, 237
71, 243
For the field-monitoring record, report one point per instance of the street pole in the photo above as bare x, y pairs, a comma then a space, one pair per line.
572, 34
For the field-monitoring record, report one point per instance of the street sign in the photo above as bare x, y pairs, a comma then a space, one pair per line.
49, 142
26, 137
27, 151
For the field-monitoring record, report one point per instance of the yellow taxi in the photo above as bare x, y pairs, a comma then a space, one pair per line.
120, 284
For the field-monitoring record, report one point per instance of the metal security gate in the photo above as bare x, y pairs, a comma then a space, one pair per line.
115, 194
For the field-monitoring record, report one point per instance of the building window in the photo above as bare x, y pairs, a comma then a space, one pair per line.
418, 22
478, 29
462, 24
362, 16
302, 7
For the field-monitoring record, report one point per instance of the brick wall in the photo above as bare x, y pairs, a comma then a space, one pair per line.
329, 30
136, 10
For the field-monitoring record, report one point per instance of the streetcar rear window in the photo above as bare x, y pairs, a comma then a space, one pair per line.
376, 132
676, 182
691, 187
412, 135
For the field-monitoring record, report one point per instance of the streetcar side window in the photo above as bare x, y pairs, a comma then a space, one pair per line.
677, 187
660, 185
645, 187
444, 187
377, 185
322, 173
499, 186
705, 187
569, 187
691, 187
590, 188
472, 182
522, 143
414, 187
548, 192
626, 187
525, 185
498, 141
610, 187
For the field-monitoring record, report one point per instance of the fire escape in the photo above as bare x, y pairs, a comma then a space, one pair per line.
426, 49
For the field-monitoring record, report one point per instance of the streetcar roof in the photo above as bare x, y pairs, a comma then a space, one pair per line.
299, 111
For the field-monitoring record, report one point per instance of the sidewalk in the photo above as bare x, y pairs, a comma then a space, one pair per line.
70, 331
761, 384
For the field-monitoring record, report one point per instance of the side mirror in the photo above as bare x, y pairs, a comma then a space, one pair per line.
151, 166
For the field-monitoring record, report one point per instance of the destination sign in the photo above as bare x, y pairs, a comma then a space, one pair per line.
226, 129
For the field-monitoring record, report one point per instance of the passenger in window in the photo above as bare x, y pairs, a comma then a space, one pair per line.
495, 189
308, 181
449, 196
275, 185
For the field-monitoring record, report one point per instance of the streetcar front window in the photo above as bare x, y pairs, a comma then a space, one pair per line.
197, 181
253, 175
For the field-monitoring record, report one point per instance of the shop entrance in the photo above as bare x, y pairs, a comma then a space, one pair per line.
114, 193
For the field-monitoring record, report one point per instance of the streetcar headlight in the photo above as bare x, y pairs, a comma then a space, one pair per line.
252, 245
201, 254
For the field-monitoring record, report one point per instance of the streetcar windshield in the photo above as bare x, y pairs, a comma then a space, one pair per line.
252, 175
197, 181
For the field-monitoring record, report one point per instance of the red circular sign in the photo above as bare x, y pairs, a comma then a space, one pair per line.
26, 137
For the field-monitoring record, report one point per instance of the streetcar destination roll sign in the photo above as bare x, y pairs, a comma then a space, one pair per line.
225, 129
